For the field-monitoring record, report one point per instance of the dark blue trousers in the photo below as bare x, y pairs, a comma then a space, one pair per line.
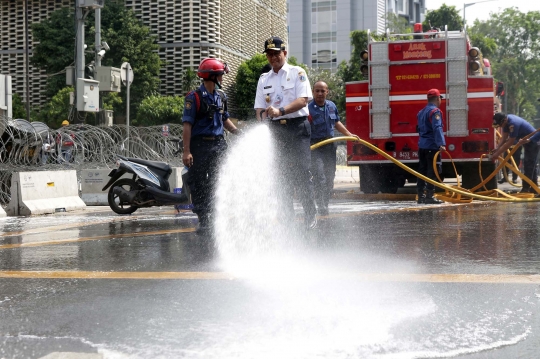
202, 175
323, 166
293, 164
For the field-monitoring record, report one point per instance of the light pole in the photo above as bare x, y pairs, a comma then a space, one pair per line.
471, 4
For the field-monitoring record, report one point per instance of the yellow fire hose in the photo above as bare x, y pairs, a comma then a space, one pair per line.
456, 194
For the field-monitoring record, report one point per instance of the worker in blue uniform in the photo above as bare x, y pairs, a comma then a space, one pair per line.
515, 128
431, 140
324, 118
205, 116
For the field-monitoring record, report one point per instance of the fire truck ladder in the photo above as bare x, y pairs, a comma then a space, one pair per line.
456, 84
379, 89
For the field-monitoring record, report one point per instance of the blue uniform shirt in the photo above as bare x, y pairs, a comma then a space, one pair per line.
323, 120
204, 126
516, 127
430, 128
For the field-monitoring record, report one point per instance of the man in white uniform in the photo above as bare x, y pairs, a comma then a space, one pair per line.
283, 94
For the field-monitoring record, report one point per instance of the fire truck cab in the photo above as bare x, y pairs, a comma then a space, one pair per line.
382, 109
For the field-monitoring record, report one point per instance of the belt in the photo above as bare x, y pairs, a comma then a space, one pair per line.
288, 121
208, 138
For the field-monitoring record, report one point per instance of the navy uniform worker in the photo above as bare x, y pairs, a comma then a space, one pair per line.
205, 116
431, 140
324, 118
282, 95
514, 128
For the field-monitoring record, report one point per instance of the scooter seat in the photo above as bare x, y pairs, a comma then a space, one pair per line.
162, 166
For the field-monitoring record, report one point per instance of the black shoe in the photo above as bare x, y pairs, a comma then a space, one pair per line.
311, 222
323, 211
432, 200
514, 181
421, 200
501, 181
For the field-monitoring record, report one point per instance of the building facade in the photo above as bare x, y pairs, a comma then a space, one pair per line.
187, 31
319, 29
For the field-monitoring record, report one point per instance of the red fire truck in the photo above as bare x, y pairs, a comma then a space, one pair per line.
398, 72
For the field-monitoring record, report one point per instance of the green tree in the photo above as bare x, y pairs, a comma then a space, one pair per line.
397, 24
18, 107
57, 109
129, 40
516, 59
190, 80
159, 110
445, 15
55, 47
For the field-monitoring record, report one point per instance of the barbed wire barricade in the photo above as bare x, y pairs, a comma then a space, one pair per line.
33, 146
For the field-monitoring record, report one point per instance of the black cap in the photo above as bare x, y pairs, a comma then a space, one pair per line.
274, 43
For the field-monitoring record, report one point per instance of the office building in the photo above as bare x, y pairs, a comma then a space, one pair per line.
319, 30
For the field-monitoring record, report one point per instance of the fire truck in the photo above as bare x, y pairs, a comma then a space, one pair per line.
398, 72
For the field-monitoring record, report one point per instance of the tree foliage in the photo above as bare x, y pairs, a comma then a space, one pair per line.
129, 40
159, 110
57, 109
445, 15
516, 58
190, 80
18, 107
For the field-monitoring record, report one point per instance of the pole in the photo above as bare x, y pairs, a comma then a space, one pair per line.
128, 70
79, 58
97, 41
27, 61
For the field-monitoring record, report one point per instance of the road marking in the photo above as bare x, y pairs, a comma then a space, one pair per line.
95, 238
365, 277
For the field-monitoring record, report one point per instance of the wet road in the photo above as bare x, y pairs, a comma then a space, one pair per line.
376, 280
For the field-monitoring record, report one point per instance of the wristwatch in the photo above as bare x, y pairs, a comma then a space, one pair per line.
282, 111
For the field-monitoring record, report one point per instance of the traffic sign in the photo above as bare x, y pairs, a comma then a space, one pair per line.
126, 73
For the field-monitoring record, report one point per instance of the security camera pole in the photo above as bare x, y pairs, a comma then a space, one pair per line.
97, 14
80, 15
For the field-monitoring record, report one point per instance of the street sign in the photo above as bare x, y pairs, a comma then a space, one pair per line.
126, 73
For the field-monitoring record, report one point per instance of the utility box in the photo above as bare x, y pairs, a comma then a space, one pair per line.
70, 71
91, 4
109, 78
87, 95
106, 118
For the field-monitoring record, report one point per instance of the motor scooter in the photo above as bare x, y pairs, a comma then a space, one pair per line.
148, 187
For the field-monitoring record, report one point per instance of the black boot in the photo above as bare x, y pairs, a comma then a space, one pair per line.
421, 198
205, 225
430, 199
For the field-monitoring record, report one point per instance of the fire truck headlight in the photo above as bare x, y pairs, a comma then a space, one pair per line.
364, 55
474, 66
364, 70
451, 147
474, 52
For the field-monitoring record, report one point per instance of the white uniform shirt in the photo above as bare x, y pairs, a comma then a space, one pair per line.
279, 90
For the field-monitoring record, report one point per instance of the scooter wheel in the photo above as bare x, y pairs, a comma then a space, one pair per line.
114, 201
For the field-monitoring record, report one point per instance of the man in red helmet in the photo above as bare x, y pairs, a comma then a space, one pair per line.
205, 116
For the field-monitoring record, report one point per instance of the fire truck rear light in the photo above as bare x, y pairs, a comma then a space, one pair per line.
451, 147
361, 150
475, 146
397, 47
389, 146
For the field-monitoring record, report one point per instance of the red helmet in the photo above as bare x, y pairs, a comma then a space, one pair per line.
211, 66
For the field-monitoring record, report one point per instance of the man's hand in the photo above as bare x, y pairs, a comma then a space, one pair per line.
187, 159
272, 112
442, 148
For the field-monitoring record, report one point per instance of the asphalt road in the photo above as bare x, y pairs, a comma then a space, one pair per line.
377, 279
